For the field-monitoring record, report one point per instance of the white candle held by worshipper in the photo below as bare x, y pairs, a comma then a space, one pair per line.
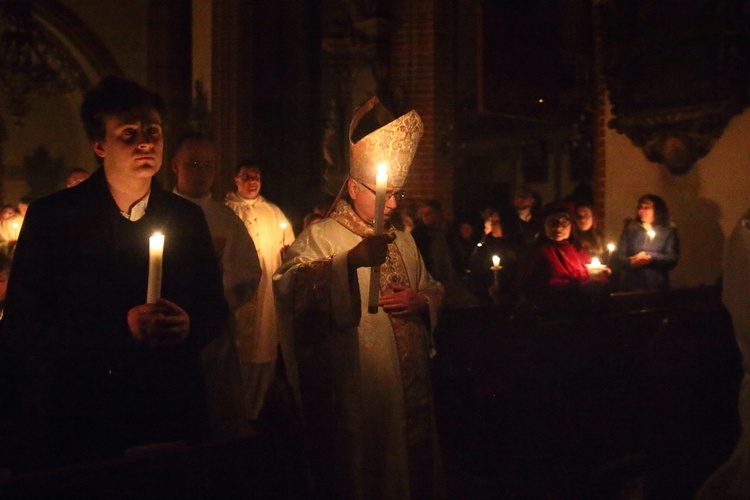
155, 259
596, 267
381, 182
495, 269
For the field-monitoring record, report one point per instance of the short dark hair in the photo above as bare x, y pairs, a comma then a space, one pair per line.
115, 95
193, 136
253, 163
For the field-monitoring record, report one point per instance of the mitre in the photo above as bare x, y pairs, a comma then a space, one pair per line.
394, 144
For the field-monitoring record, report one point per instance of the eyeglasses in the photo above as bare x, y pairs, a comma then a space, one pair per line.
246, 178
560, 221
397, 195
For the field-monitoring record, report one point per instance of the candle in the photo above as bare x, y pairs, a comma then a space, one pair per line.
596, 267
283, 234
651, 235
155, 258
495, 269
610, 250
381, 182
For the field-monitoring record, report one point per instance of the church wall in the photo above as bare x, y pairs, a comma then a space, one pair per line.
705, 203
53, 121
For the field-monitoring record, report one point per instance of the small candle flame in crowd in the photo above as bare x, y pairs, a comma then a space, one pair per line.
651, 233
596, 262
611, 247
495, 261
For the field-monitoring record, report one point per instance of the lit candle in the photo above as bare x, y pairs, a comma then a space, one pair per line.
651, 235
283, 234
610, 250
381, 182
495, 269
596, 267
155, 259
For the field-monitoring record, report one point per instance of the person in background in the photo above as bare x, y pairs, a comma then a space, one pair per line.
433, 240
466, 240
10, 228
556, 263
194, 165
649, 247
364, 377
23, 204
482, 280
526, 225
99, 369
590, 237
76, 176
258, 339
732, 478
7, 211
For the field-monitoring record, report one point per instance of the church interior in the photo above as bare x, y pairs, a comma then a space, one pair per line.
633, 396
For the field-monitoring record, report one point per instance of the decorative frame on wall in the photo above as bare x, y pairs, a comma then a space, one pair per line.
677, 72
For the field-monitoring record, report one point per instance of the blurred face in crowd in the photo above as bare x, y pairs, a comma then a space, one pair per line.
466, 230
194, 165
363, 200
557, 227
584, 218
646, 211
523, 202
7, 213
429, 216
132, 146
247, 181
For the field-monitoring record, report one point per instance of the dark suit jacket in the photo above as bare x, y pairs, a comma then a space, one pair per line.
89, 390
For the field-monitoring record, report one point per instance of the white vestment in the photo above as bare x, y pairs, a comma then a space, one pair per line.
241, 274
271, 232
732, 479
364, 378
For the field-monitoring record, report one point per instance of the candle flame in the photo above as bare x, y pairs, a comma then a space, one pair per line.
651, 233
15, 225
611, 247
595, 262
495, 260
283, 225
382, 168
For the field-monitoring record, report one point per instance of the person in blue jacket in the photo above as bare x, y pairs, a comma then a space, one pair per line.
649, 247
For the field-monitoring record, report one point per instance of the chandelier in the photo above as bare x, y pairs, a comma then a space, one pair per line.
32, 60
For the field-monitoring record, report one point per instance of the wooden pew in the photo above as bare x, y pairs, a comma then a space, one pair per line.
581, 400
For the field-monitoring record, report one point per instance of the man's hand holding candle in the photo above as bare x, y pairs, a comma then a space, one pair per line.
160, 324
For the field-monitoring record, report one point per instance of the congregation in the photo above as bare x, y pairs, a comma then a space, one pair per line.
90, 371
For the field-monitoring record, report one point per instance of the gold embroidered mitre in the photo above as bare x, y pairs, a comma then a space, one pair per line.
394, 144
